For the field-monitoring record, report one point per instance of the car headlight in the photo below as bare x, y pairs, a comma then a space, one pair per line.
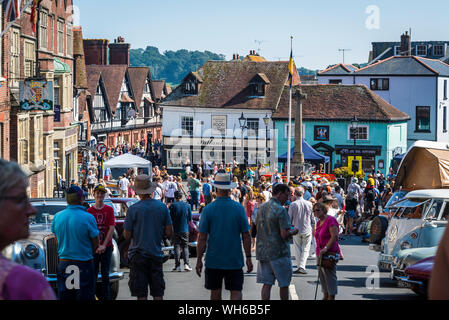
31, 251
405, 245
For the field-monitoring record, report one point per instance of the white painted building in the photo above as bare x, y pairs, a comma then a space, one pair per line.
414, 85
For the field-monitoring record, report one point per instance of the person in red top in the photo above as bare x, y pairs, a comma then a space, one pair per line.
104, 215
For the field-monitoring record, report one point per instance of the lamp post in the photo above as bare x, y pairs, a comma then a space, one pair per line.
266, 120
354, 123
243, 126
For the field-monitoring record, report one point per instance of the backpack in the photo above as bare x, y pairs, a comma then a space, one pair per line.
371, 195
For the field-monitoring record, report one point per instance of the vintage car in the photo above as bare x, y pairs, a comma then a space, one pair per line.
419, 221
40, 250
417, 276
408, 257
121, 206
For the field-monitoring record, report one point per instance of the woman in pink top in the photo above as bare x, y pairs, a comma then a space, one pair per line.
17, 282
326, 236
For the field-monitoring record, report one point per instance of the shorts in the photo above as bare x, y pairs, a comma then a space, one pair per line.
280, 269
144, 272
233, 279
91, 186
180, 238
350, 214
169, 200
253, 230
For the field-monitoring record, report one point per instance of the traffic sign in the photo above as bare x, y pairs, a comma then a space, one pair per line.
101, 148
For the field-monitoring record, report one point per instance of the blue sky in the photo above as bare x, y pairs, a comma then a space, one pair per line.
319, 28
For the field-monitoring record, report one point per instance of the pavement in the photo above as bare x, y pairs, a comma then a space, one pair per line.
357, 280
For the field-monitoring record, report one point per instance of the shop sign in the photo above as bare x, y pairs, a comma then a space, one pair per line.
36, 95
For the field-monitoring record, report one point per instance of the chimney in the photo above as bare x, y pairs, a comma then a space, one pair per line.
96, 51
233, 57
119, 52
238, 56
406, 44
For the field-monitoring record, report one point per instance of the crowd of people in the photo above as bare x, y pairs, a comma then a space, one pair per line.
310, 214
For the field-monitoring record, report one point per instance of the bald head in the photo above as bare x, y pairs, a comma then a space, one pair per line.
299, 192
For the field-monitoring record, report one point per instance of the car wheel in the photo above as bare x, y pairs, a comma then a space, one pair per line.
378, 229
123, 249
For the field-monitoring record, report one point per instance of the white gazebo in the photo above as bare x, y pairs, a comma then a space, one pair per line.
128, 160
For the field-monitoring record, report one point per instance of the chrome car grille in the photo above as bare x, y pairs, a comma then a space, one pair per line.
51, 255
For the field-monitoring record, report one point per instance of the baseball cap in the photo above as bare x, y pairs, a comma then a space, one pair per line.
100, 188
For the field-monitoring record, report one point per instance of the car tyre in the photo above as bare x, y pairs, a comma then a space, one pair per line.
114, 289
378, 229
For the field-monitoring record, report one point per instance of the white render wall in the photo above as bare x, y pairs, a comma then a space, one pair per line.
202, 120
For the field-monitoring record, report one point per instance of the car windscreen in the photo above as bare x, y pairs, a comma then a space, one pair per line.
45, 213
398, 195
411, 209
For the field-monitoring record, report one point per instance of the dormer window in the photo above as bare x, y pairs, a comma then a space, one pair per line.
190, 87
258, 85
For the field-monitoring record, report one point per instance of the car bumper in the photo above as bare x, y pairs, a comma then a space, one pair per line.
113, 277
386, 261
406, 282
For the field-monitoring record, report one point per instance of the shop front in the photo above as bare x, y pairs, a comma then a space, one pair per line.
371, 156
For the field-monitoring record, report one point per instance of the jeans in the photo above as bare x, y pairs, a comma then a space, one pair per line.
181, 241
104, 260
301, 245
195, 199
76, 280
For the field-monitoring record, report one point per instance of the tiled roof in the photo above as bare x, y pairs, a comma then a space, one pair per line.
159, 86
137, 77
406, 65
226, 85
339, 69
340, 102
112, 76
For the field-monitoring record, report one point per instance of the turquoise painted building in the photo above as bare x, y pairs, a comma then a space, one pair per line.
327, 125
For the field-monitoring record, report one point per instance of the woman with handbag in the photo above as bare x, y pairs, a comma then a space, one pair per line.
327, 250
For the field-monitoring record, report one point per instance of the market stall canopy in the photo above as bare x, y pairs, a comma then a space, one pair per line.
128, 160
424, 166
310, 154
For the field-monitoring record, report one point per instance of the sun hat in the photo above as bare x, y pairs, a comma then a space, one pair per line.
143, 184
307, 178
328, 198
223, 181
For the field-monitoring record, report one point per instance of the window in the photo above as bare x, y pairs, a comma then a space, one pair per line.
43, 29
397, 50
14, 71
30, 59
445, 119
99, 107
380, 84
293, 131
187, 125
438, 50
190, 87
422, 119
253, 128
445, 90
61, 36
335, 81
360, 133
69, 39
258, 89
421, 50
57, 92
23, 142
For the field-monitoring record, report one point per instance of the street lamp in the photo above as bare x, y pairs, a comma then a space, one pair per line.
267, 122
243, 126
354, 123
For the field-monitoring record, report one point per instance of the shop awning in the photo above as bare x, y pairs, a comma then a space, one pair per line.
310, 154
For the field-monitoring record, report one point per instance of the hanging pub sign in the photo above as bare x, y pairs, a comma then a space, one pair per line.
36, 95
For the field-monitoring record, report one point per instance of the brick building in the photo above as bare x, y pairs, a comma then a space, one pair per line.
123, 107
44, 143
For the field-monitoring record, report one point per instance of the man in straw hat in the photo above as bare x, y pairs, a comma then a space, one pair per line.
223, 226
146, 224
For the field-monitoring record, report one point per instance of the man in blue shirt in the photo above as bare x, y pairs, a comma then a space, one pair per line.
223, 226
77, 235
146, 224
181, 215
207, 191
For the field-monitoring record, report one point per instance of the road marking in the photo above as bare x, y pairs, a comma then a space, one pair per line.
292, 290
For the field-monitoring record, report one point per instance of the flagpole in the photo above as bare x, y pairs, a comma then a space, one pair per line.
12, 22
289, 152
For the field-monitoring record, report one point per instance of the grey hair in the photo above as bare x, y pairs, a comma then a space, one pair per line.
10, 175
299, 191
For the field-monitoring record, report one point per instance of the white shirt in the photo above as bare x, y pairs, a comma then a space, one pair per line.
333, 212
267, 195
170, 189
157, 194
124, 183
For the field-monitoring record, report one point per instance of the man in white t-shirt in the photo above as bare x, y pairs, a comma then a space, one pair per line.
123, 186
170, 190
